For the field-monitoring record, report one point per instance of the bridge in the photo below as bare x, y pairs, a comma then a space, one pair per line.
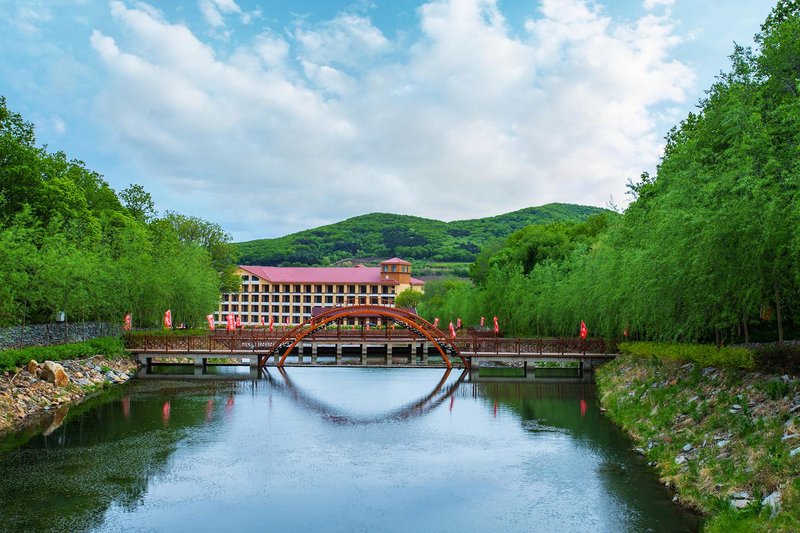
404, 335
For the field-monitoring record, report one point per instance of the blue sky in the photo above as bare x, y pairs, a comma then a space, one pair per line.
269, 117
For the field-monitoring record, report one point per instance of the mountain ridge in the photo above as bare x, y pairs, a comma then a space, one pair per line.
408, 236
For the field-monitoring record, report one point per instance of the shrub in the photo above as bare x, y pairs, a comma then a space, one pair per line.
778, 359
701, 354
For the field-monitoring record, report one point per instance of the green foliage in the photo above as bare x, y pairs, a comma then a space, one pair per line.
383, 235
107, 346
703, 355
409, 298
68, 244
779, 358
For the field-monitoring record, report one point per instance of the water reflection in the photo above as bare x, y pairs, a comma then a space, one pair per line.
335, 415
181, 454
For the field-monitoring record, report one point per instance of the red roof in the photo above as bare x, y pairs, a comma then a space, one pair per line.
395, 261
327, 275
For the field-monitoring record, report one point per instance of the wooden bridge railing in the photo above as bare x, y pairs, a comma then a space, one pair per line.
260, 342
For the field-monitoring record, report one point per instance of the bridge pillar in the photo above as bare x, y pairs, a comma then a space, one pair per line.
314, 358
277, 357
425, 354
199, 361
388, 358
338, 355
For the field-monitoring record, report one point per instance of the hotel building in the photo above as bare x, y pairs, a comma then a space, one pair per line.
290, 294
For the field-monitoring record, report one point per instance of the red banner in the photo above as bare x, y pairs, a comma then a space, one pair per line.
210, 319
584, 331
271, 324
458, 324
168, 319
482, 321
231, 322
436, 322
496, 325
127, 323
452, 330
261, 320
238, 321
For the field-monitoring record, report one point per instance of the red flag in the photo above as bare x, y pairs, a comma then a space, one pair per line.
261, 320
210, 319
584, 331
452, 330
625, 333
238, 321
458, 324
126, 326
496, 326
231, 321
482, 320
271, 323
367, 327
436, 322
168, 319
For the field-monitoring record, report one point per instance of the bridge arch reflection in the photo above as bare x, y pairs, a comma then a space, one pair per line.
420, 407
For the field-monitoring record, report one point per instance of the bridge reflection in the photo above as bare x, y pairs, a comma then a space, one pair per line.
440, 393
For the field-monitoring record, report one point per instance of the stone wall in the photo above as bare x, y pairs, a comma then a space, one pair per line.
55, 333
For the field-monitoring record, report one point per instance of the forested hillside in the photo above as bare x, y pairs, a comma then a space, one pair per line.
708, 250
386, 235
69, 243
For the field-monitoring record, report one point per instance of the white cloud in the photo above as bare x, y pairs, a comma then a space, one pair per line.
651, 4
293, 130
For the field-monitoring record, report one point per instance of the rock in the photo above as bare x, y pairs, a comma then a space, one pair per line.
794, 452
774, 501
789, 436
722, 443
33, 367
736, 407
740, 504
640, 451
693, 399
741, 495
794, 408
680, 459
688, 448
54, 373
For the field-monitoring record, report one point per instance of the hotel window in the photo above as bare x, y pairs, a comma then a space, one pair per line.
384, 290
307, 299
234, 297
244, 288
329, 299
339, 289
245, 308
385, 268
363, 289
318, 288
234, 308
286, 298
224, 307
265, 309
297, 288
296, 298
339, 299
307, 288
276, 309
318, 299
287, 288
393, 268
255, 298
295, 309
307, 309
286, 309
245, 298
351, 289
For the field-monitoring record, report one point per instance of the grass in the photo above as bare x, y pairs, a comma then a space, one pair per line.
501, 372
14, 358
704, 355
668, 401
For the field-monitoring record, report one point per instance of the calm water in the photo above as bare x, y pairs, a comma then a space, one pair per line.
334, 449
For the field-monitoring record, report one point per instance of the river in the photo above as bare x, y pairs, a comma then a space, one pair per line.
335, 449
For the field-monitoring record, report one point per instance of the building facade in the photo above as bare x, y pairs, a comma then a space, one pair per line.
289, 295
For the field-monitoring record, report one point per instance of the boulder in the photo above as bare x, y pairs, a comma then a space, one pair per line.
54, 373
774, 501
33, 367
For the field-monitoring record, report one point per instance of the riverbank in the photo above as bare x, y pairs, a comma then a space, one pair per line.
726, 440
34, 391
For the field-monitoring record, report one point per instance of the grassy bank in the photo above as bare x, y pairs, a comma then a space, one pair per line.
14, 358
721, 436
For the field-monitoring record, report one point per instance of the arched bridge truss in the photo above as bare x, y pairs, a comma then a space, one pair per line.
333, 315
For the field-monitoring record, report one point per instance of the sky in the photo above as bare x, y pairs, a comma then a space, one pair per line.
269, 117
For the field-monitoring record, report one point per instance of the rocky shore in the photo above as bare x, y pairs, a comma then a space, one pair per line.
39, 389
727, 441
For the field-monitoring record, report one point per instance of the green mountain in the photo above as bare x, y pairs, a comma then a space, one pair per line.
383, 235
